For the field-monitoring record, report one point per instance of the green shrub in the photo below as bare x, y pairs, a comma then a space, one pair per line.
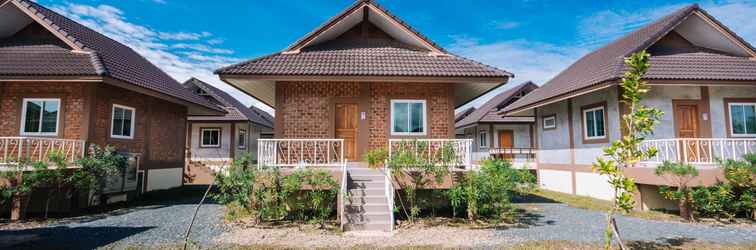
736, 198
322, 197
235, 185
486, 194
680, 174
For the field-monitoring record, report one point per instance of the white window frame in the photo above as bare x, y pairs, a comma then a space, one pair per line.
40, 133
483, 137
729, 114
242, 144
585, 123
424, 123
549, 117
112, 121
202, 138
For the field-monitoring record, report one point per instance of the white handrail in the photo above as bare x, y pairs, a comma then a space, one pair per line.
431, 149
300, 153
389, 192
698, 150
342, 194
16, 149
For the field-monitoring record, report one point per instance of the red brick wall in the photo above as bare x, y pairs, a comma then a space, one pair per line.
160, 127
304, 107
439, 102
73, 105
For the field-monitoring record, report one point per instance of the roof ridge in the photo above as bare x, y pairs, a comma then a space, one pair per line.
97, 63
219, 71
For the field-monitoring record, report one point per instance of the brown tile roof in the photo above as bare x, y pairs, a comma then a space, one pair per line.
607, 63
488, 112
44, 59
461, 115
108, 57
357, 4
363, 58
236, 110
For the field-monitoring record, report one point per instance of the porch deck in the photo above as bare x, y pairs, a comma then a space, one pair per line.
17, 150
700, 152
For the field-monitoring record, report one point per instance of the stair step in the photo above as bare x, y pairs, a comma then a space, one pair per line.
359, 192
368, 218
368, 199
385, 227
367, 185
367, 208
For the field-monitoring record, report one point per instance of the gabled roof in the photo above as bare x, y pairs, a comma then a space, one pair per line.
603, 67
366, 43
461, 115
488, 112
84, 52
362, 9
236, 110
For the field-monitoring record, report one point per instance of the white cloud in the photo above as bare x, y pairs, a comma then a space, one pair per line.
505, 25
180, 60
528, 60
607, 25
180, 36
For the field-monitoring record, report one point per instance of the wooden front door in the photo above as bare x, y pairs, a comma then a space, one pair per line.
506, 142
346, 128
686, 126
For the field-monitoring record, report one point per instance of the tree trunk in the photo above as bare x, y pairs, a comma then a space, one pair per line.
16, 202
685, 210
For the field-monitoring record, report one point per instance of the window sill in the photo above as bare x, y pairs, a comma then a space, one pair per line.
595, 140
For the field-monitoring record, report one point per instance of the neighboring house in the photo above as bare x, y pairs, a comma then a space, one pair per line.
364, 80
498, 136
702, 76
64, 86
213, 141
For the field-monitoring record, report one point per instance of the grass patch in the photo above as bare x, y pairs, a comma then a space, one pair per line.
600, 205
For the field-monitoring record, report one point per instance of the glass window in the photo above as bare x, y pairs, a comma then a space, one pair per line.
242, 139
210, 137
40, 116
549, 122
483, 138
593, 122
122, 125
408, 117
743, 119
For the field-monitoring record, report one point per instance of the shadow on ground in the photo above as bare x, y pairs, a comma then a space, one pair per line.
153, 200
59, 237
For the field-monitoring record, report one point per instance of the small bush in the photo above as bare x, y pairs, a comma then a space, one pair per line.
680, 174
486, 194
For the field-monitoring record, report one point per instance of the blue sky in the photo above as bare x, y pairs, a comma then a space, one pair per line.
533, 39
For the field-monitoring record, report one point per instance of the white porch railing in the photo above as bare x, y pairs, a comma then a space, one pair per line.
16, 149
699, 150
300, 153
389, 192
459, 154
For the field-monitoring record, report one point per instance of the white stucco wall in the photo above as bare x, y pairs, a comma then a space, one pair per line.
661, 97
553, 144
593, 185
159, 179
522, 139
222, 153
586, 154
717, 108
555, 180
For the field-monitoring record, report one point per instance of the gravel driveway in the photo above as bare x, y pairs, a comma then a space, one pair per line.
161, 223
556, 221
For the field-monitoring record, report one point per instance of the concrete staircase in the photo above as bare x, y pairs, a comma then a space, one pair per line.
367, 208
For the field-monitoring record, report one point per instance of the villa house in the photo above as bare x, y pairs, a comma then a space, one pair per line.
364, 80
64, 86
702, 76
213, 141
497, 136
